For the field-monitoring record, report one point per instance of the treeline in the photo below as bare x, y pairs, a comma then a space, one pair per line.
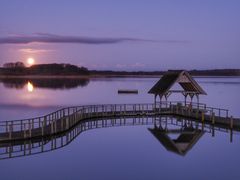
69, 69
216, 72
45, 69
212, 72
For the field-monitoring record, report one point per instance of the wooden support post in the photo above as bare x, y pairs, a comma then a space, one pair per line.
203, 117
30, 128
170, 107
6, 126
45, 121
39, 122
42, 128
197, 113
61, 124
197, 100
231, 122
213, 118
10, 131
160, 107
155, 96
102, 110
32, 123
166, 97
52, 127
67, 123
24, 130
21, 124
55, 126
63, 113
185, 100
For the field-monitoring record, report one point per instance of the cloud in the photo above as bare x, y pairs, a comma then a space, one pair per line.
35, 51
52, 38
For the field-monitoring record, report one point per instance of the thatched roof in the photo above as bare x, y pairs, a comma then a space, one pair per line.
170, 78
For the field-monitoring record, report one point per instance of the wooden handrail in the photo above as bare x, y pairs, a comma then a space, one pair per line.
70, 115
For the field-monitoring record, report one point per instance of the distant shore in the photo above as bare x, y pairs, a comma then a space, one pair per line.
14, 70
96, 76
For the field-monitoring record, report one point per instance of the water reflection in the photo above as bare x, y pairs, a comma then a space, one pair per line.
176, 135
30, 87
185, 138
49, 83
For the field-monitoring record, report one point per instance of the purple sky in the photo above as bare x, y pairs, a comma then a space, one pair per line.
122, 35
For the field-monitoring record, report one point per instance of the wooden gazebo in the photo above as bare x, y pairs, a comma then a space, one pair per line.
189, 87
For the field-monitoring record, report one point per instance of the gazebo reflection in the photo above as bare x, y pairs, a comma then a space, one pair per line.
185, 137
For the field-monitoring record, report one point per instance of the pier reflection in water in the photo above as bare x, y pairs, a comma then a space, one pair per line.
175, 134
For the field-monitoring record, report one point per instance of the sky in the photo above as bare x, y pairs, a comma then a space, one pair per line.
122, 35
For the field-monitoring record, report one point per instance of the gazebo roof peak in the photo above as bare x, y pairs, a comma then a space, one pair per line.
186, 81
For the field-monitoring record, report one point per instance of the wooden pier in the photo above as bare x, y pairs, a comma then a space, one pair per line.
163, 125
66, 118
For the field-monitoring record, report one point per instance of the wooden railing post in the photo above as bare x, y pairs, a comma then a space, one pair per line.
42, 130
10, 131
124, 109
32, 123
67, 123
51, 126
30, 128
55, 127
6, 127
21, 124
24, 128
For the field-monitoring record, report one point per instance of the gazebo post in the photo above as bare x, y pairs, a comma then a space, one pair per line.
155, 96
191, 96
197, 100
166, 97
160, 101
185, 99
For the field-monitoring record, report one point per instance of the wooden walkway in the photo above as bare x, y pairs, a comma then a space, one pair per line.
13, 149
66, 118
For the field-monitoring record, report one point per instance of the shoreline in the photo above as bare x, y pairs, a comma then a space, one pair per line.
99, 76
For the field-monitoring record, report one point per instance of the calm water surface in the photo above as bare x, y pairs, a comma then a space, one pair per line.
120, 152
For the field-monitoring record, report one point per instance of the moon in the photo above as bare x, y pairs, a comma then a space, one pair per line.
30, 61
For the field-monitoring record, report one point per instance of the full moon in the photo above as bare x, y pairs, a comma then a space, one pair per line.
30, 61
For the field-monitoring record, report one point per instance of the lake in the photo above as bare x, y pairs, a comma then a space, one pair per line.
121, 149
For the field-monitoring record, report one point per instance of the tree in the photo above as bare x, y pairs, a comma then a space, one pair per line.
14, 65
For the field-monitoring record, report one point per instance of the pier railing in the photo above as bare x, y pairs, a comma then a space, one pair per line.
65, 118
42, 145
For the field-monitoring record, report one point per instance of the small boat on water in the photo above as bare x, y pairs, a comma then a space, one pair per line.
127, 91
